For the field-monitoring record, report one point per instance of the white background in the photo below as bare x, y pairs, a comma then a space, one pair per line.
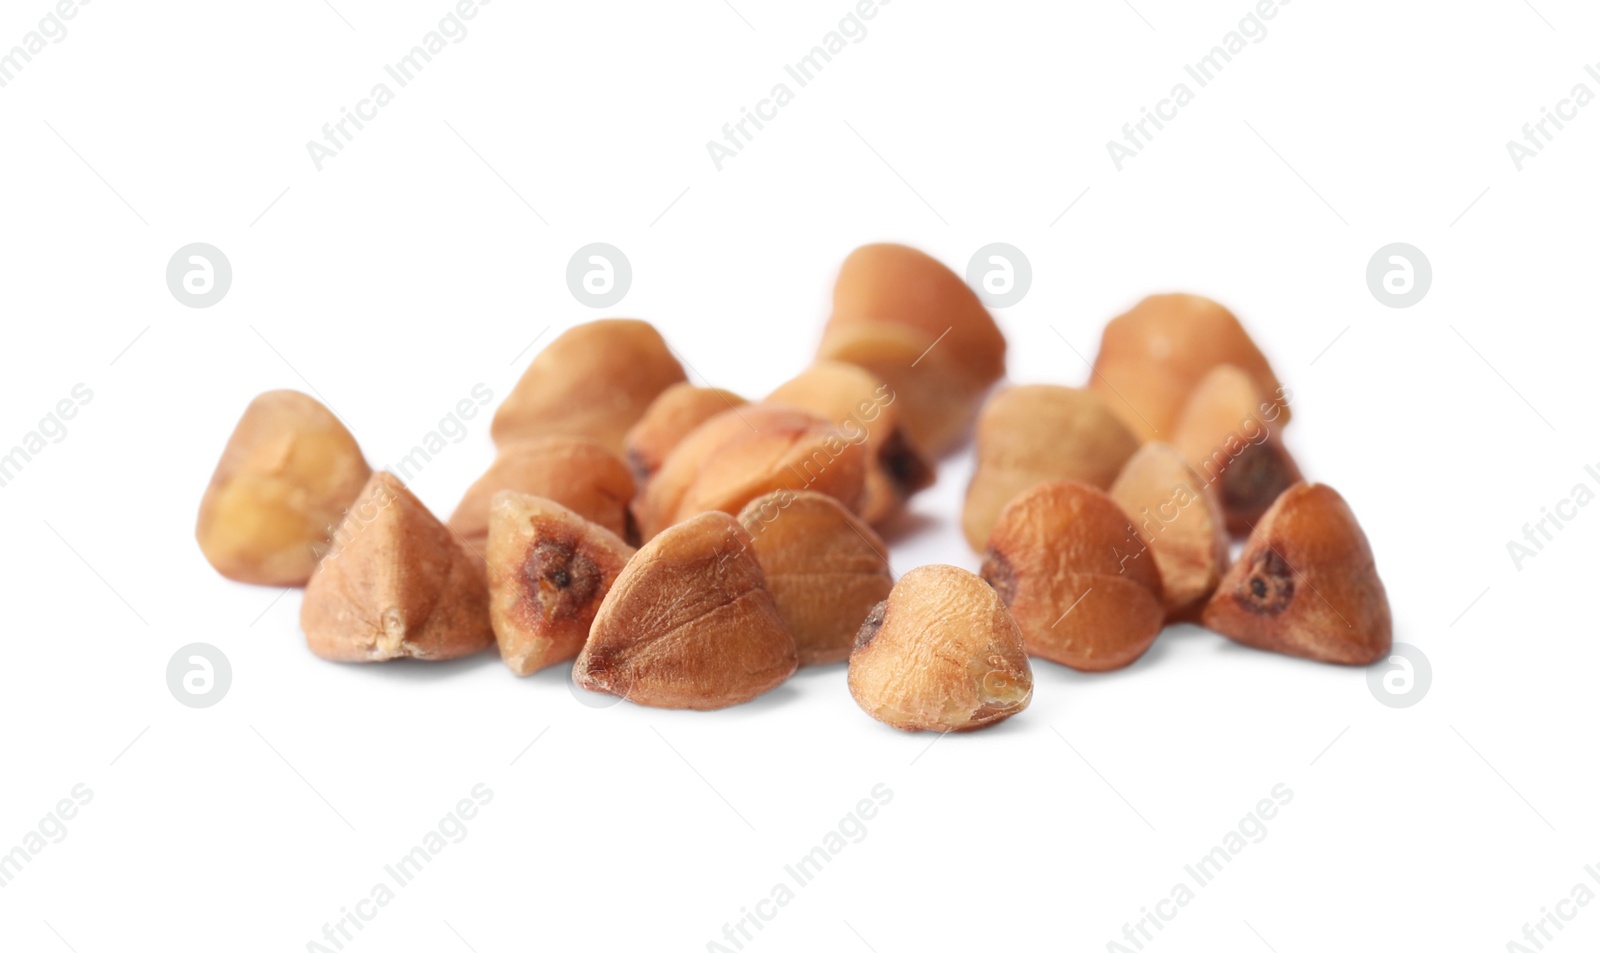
414, 266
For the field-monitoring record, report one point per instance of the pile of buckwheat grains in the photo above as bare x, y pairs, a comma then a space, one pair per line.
686, 547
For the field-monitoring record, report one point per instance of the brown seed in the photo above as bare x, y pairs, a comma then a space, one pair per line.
895, 284
595, 380
285, 478
940, 654
1037, 434
672, 416
1067, 562
397, 584
549, 569
689, 623
1228, 431
824, 567
579, 474
938, 397
1153, 356
741, 454
1176, 516
1305, 584
857, 403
